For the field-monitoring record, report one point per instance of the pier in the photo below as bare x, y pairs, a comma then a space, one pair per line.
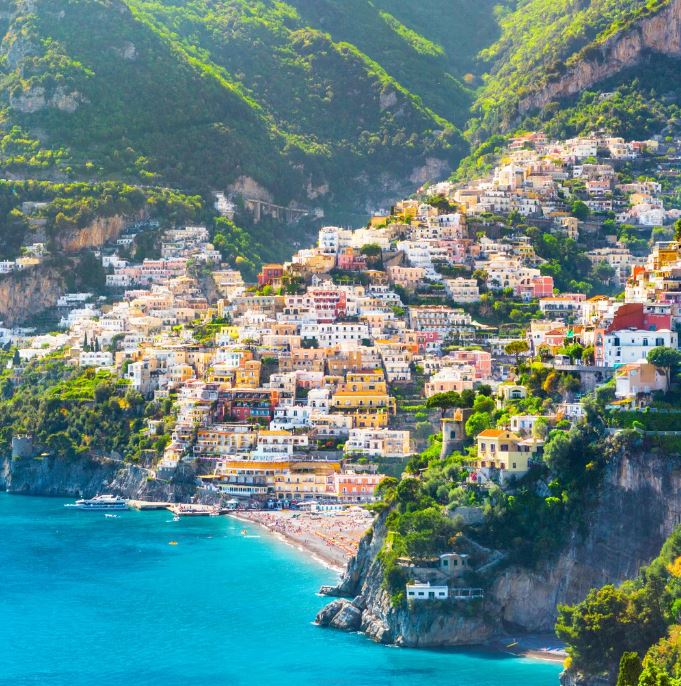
148, 505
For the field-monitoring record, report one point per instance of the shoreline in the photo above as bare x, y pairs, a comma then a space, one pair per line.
330, 557
544, 647
532, 646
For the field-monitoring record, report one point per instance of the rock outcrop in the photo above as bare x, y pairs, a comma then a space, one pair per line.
660, 33
100, 231
86, 476
24, 294
638, 506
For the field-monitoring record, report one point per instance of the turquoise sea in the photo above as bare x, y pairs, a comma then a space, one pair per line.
88, 600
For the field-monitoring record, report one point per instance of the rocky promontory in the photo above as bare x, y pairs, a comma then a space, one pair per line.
636, 510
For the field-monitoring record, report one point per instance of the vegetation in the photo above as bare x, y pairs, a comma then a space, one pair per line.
199, 94
540, 41
611, 624
74, 411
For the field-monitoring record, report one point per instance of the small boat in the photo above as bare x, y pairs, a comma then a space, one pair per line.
111, 516
176, 518
244, 532
172, 542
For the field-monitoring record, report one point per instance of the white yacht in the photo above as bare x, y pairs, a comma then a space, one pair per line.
99, 503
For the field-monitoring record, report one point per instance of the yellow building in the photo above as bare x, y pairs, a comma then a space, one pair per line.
366, 392
225, 439
370, 420
664, 254
363, 400
503, 450
248, 375
306, 480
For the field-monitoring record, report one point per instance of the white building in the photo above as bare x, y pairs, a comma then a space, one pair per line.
632, 345
95, 359
424, 591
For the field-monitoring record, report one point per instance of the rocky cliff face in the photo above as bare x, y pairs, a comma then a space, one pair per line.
660, 33
638, 506
25, 293
29, 292
86, 476
102, 230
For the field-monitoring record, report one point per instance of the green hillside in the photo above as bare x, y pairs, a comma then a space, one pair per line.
343, 104
316, 101
540, 41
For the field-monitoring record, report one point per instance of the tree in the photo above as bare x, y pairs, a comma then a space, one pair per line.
477, 422
630, 670
371, 250
677, 229
580, 210
517, 348
588, 354
16, 358
408, 491
540, 428
484, 403
443, 401
573, 351
667, 359
594, 629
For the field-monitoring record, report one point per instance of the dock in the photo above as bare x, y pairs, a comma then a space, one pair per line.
148, 505
193, 510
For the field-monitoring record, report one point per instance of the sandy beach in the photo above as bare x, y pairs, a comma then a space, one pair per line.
535, 646
332, 537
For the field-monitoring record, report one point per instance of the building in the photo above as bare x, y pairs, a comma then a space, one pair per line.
356, 487
95, 359
504, 451
462, 290
457, 379
378, 443
639, 378
424, 591
631, 345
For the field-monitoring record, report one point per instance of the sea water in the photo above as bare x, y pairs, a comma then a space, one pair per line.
92, 600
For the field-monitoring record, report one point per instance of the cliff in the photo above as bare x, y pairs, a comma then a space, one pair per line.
658, 33
86, 476
26, 293
639, 504
102, 230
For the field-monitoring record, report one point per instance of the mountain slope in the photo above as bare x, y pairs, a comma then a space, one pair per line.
555, 49
199, 94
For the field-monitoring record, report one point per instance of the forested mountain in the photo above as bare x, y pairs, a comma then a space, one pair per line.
308, 98
332, 103
556, 57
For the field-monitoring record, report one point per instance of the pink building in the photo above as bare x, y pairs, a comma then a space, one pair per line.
348, 260
481, 360
356, 487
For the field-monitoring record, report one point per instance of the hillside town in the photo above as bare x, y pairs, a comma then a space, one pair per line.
337, 366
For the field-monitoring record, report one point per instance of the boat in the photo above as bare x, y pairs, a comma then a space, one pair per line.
111, 516
99, 503
176, 518
193, 510
244, 532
